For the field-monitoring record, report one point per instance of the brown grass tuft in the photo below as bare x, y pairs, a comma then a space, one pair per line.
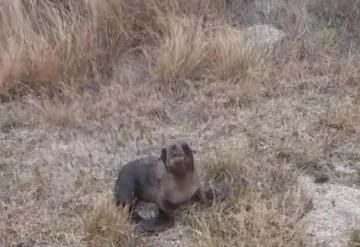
107, 225
260, 210
231, 58
183, 51
50, 43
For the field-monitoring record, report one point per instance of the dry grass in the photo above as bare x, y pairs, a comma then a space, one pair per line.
86, 84
108, 226
264, 207
182, 52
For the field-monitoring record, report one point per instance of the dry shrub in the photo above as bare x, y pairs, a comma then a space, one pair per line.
47, 43
107, 225
230, 56
196, 50
264, 207
49, 51
183, 51
342, 16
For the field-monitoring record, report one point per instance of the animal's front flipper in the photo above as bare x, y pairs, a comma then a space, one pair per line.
210, 195
204, 197
160, 223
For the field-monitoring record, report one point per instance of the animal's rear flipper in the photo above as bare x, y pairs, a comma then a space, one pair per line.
160, 223
135, 217
124, 190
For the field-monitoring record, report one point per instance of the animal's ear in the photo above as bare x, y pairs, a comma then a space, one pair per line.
163, 155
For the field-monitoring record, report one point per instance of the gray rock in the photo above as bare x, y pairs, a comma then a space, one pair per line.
263, 37
335, 212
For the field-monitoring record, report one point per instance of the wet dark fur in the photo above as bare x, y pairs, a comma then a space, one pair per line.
168, 181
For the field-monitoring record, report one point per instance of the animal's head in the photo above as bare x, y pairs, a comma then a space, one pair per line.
178, 158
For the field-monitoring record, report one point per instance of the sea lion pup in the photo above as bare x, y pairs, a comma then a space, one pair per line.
168, 181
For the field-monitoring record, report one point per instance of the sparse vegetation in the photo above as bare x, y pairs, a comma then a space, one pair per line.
84, 85
106, 225
261, 208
